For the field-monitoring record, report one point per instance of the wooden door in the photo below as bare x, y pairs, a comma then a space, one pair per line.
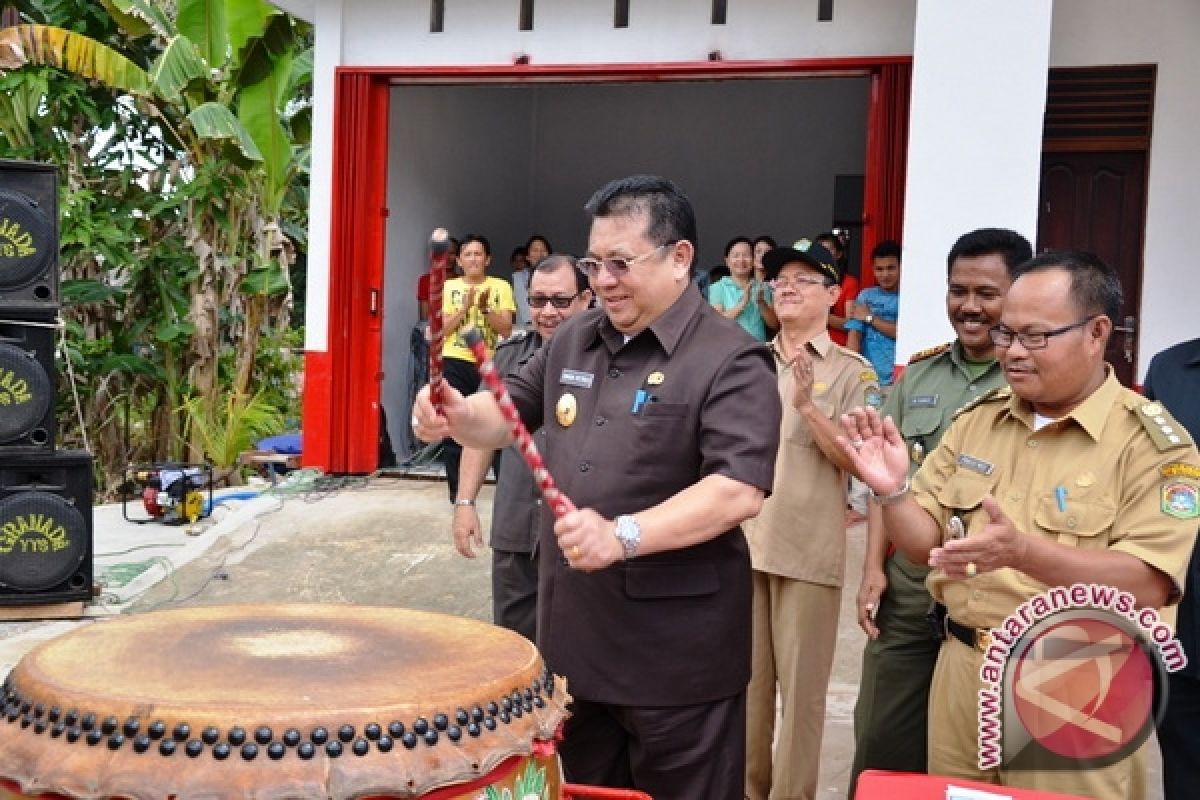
1095, 201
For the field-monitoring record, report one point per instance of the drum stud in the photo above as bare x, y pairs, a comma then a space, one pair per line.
372, 731
157, 729
528, 694
263, 735
473, 729
361, 747
291, 737
490, 723
26, 720
537, 685
13, 713
346, 733
39, 726
409, 740
94, 737
73, 734
131, 726
319, 735
210, 735
57, 730
194, 748
38, 710
115, 741
26, 706
71, 717
440, 721
505, 717
477, 714
182, 732
516, 712
539, 702
249, 751
396, 729
454, 733
384, 744
507, 703
462, 717
109, 725
333, 749
493, 709
88, 722
527, 705
237, 736
141, 743
420, 726
306, 750
431, 738
221, 751
276, 751
166, 747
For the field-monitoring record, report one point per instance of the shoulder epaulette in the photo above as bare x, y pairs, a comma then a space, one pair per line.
512, 338
1163, 429
1000, 393
930, 352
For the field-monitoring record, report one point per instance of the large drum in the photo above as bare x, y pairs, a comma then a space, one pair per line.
283, 701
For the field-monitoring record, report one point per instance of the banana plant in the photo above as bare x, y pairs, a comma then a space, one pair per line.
219, 88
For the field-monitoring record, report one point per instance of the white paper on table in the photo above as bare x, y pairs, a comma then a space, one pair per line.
963, 793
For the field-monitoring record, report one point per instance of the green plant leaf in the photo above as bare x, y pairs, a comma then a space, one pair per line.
258, 111
174, 331
71, 52
264, 280
87, 291
214, 121
204, 23
179, 67
139, 17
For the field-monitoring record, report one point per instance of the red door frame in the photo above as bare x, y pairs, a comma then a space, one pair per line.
342, 384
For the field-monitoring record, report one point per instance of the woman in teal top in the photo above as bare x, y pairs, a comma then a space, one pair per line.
739, 296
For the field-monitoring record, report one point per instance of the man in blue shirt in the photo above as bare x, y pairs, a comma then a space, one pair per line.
871, 319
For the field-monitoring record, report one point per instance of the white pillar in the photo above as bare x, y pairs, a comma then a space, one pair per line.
975, 142
327, 56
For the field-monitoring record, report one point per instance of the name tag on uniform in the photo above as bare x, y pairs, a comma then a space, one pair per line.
923, 401
576, 378
975, 464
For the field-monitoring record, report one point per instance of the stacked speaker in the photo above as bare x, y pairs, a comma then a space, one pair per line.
45, 493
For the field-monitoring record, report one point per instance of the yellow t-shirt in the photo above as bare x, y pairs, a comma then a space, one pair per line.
454, 296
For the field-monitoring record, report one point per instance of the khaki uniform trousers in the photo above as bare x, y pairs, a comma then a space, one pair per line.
954, 740
795, 632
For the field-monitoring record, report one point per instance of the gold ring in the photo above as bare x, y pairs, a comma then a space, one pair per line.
971, 569
575, 552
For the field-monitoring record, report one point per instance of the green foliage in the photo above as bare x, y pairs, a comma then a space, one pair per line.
229, 425
183, 213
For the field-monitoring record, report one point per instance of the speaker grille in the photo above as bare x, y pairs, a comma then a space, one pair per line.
26, 393
43, 541
26, 240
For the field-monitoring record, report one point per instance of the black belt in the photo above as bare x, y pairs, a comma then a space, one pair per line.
978, 638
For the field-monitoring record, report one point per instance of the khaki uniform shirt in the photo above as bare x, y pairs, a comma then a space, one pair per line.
935, 385
628, 425
801, 531
1110, 455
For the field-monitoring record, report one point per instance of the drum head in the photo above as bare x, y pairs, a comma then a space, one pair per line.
267, 701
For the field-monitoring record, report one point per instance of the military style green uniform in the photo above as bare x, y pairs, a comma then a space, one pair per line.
891, 714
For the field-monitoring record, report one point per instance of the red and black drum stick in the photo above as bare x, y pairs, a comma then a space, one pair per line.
439, 251
559, 503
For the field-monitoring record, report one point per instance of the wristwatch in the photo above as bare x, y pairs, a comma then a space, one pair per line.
869, 318
629, 534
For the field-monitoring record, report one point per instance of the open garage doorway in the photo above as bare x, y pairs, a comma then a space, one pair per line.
756, 156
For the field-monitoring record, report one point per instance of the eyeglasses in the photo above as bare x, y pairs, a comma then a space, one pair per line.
797, 283
615, 265
1035, 340
540, 301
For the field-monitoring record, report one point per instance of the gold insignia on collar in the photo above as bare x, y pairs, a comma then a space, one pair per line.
1085, 480
655, 379
1152, 409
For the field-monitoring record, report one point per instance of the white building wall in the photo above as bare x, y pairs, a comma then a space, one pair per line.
1166, 33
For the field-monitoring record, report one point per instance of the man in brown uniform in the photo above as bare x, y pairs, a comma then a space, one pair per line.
557, 292
662, 421
1060, 480
798, 540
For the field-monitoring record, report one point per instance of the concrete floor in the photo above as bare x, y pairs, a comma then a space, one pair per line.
380, 542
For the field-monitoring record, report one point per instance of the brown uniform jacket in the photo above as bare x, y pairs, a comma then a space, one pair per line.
671, 628
1110, 457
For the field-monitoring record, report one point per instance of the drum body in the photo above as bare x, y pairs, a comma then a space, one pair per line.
283, 701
